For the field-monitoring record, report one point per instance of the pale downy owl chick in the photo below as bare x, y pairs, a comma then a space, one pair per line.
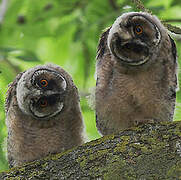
136, 73
42, 114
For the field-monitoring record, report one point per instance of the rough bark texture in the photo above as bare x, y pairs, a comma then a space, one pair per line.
151, 151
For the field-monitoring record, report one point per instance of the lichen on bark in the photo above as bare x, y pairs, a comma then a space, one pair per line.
150, 151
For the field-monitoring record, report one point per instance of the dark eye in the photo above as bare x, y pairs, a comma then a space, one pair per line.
138, 29
43, 103
44, 83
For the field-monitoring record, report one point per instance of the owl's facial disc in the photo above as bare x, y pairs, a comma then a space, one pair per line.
50, 88
131, 52
133, 38
43, 94
45, 79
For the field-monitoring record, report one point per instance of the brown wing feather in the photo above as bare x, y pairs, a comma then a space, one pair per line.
102, 43
174, 50
11, 91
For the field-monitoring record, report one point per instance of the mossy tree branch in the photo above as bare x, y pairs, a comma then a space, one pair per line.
151, 151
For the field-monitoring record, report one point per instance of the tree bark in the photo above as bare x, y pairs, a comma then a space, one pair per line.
150, 151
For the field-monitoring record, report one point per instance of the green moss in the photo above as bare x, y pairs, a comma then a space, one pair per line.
117, 170
145, 149
152, 140
14, 178
178, 129
175, 171
122, 146
136, 145
101, 152
35, 173
82, 162
100, 140
44, 165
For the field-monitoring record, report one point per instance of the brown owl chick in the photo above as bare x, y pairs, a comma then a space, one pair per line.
136, 73
42, 114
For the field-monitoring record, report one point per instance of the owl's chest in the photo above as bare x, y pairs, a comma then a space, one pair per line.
36, 143
131, 92
47, 140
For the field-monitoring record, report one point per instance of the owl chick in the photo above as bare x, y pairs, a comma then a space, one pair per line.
136, 73
42, 114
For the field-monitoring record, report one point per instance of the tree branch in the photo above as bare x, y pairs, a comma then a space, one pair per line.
173, 29
113, 5
171, 20
139, 5
151, 151
3, 8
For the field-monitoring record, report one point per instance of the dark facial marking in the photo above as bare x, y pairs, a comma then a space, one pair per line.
45, 80
43, 102
51, 100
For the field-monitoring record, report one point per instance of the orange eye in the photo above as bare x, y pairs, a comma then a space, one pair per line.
44, 82
138, 29
43, 103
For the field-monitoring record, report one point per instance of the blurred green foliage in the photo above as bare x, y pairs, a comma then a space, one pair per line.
64, 32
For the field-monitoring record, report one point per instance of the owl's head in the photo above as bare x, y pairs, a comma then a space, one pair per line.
41, 91
134, 37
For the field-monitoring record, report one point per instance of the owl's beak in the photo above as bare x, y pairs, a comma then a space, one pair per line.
124, 35
121, 37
